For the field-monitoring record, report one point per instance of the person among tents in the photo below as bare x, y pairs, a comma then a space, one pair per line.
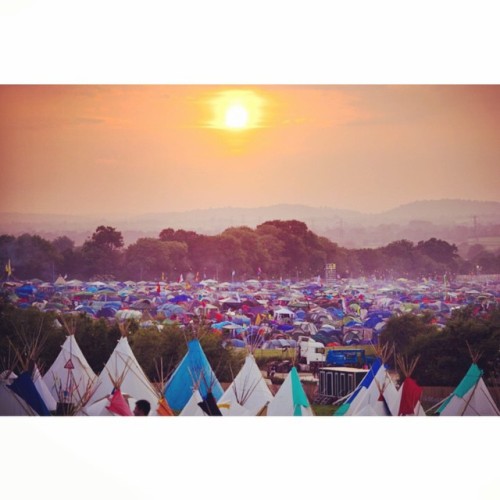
142, 408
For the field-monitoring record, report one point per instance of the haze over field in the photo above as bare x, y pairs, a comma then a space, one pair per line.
457, 221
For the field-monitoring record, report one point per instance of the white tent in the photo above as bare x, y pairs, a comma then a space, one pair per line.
233, 409
248, 389
470, 398
283, 314
290, 400
227, 408
43, 390
97, 409
70, 376
122, 365
378, 398
192, 409
11, 404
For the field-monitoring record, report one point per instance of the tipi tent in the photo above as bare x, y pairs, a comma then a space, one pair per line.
376, 395
113, 405
24, 387
70, 377
192, 408
470, 398
10, 403
195, 408
248, 389
194, 371
43, 390
122, 365
356, 397
233, 409
409, 392
290, 400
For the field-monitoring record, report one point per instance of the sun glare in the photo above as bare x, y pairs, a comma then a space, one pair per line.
236, 110
236, 116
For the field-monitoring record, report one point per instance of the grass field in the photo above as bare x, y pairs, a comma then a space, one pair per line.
268, 354
324, 410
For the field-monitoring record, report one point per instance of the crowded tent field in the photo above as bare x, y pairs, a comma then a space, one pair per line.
192, 347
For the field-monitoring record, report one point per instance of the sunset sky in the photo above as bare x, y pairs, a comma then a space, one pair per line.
86, 149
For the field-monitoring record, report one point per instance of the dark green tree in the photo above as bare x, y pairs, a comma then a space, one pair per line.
101, 255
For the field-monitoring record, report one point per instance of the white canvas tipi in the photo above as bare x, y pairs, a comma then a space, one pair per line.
290, 400
123, 365
470, 398
376, 396
43, 390
248, 389
70, 376
192, 409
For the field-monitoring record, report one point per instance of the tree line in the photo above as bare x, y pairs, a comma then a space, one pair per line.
37, 336
444, 354
285, 249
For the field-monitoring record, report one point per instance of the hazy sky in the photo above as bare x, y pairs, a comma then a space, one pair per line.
86, 149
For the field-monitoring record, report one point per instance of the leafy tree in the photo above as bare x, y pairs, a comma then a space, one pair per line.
31, 256
168, 346
97, 340
167, 234
440, 252
63, 244
401, 331
154, 348
108, 237
445, 355
147, 258
226, 362
371, 260
101, 254
21, 328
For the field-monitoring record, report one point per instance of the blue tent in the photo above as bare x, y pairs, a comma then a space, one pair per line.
180, 298
25, 290
367, 380
194, 370
285, 328
300, 314
24, 387
237, 343
85, 309
106, 312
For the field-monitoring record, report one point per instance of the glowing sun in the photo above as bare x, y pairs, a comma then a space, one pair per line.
236, 117
235, 110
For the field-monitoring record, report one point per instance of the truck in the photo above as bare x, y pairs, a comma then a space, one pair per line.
349, 357
346, 357
310, 357
310, 354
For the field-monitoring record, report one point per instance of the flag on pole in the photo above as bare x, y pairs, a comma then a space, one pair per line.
233, 273
181, 278
259, 271
8, 268
163, 276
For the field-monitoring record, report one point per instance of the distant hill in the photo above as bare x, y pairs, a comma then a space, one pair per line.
443, 211
414, 221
